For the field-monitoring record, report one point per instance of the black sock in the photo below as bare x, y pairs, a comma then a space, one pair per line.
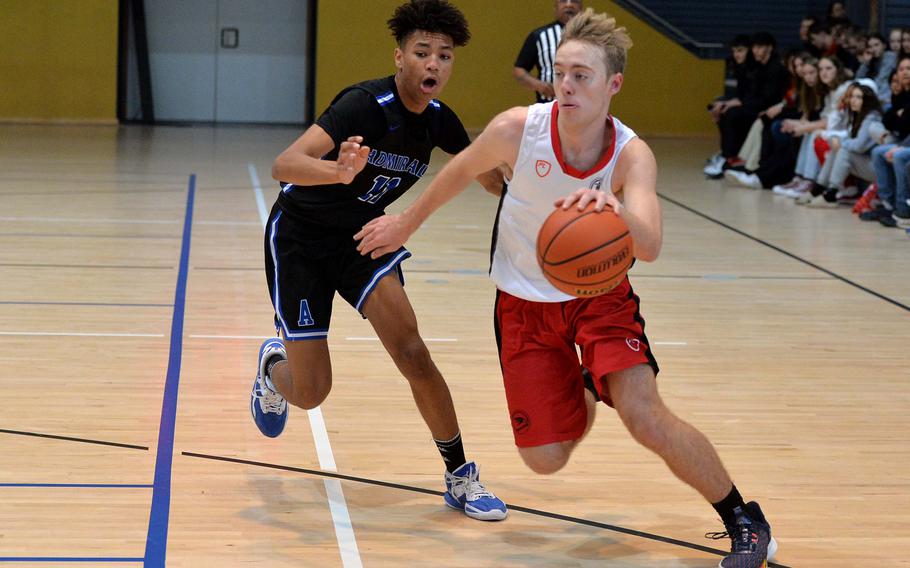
452, 452
589, 383
726, 508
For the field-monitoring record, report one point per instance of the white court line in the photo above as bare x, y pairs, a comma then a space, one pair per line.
76, 334
670, 343
257, 337
92, 221
467, 226
229, 223
427, 339
344, 530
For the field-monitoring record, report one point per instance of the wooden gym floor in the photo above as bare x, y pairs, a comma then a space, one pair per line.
128, 337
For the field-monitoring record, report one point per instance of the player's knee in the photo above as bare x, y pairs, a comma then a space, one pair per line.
413, 358
545, 460
310, 390
647, 426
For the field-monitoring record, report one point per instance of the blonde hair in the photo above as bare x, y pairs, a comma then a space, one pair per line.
600, 30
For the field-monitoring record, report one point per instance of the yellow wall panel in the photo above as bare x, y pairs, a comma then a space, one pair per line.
58, 60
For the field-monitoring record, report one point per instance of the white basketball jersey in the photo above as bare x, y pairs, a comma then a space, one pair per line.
539, 178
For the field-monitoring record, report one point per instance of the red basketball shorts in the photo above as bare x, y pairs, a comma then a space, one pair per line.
540, 369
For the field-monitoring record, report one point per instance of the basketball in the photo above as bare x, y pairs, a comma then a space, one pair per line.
584, 253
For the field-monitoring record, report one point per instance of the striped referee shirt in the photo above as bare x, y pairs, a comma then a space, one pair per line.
539, 50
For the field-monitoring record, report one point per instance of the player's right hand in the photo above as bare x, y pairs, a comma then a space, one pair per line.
352, 158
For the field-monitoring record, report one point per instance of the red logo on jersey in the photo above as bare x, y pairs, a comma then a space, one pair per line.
543, 168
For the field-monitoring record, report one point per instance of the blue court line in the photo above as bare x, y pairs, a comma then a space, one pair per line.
103, 304
65, 559
156, 542
86, 485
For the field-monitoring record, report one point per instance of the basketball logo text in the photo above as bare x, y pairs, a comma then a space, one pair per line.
603, 265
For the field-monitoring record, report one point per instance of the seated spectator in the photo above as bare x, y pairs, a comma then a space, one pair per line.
878, 64
821, 37
797, 62
850, 155
832, 77
736, 69
892, 160
894, 40
837, 11
805, 44
763, 87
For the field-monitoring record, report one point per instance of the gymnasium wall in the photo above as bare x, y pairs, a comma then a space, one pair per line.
665, 92
58, 60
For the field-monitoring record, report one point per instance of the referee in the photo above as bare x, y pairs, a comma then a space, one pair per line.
539, 50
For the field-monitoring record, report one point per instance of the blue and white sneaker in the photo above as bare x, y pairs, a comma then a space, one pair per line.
465, 493
269, 409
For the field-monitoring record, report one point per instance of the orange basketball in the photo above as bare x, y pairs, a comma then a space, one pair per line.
584, 253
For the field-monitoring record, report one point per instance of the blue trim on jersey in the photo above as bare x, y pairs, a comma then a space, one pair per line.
380, 272
435, 104
287, 188
308, 336
385, 98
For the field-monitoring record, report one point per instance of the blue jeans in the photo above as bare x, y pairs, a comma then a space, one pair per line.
892, 178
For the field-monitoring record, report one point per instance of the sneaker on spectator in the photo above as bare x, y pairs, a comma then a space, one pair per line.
742, 178
901, 222
801, 189
875, 214
715, 167
805, 198
851, 192
784, 188
888, 221
821, 202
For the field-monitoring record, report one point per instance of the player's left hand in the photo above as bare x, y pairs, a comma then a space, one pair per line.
382, 235
584, 196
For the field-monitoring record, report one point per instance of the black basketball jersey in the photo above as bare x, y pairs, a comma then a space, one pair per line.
400, 146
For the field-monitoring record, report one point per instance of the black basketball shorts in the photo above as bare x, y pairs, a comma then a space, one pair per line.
306, 265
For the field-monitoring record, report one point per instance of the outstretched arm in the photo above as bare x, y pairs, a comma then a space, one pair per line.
498, 144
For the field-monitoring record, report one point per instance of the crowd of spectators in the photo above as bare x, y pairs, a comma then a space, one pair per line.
826, 123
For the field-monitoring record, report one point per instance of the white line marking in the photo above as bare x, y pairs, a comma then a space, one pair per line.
344, 530
91, 221
670, 343
229, 223
467, 226
427, 339
257, 337
76, 334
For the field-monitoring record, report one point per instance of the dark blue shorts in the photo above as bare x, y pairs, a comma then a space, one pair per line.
305, 265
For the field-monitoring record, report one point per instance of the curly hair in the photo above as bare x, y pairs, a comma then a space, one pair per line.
435, 16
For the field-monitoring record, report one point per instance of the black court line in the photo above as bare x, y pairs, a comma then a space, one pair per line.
93, 266
71, 439
787, 253
528, 510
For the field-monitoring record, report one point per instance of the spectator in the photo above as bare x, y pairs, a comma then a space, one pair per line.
905, 43
805, 44
891, 160
894, 39
878, 64
821, 37
832, 76
736, 69
837, 11
851, 155
764, 87
539, 50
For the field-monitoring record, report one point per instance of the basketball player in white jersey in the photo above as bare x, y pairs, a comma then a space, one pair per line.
571, 152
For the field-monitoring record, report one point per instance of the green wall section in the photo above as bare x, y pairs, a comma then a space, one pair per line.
58, 60
665, 92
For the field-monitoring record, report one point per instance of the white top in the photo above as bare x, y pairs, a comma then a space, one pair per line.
539, 178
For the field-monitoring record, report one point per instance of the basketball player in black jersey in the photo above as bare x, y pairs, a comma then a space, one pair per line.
369, 147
